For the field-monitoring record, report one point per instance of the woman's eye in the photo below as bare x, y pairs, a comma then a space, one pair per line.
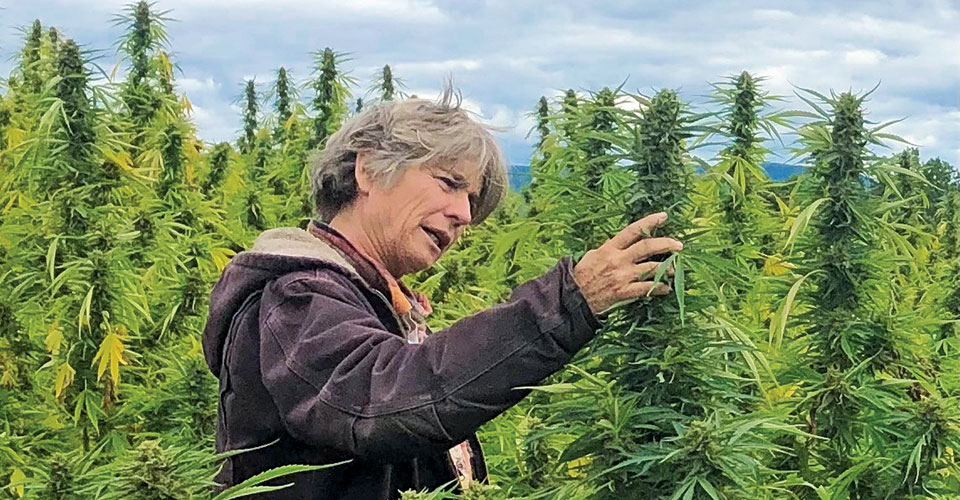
448, 182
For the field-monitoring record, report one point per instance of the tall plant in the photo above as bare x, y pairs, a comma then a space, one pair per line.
251, 108
541, 115
600, 120
146, 92
219, 165
569, 106
856, 336
386, 86
331, 93
741, 165
32, 78
283, 90
98, 304
655, 441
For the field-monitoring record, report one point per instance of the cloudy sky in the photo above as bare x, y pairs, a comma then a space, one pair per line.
505, 54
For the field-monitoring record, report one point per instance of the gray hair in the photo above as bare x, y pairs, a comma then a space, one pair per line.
395, 135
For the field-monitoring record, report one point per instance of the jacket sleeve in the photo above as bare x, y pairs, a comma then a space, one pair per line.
341, 380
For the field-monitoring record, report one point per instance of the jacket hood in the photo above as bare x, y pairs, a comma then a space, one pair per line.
275, 252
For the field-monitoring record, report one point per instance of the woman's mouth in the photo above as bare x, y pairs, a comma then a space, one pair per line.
433, 238
437, 237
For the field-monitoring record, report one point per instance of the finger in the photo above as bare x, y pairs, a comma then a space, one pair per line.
647, 289
634, 291
647, 270
642, 228
657, 289
644, 249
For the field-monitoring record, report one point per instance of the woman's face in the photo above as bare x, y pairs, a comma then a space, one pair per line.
412, 223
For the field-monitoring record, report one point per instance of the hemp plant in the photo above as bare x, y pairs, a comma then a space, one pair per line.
599, 121
737, 203
386, 86
219, 161
856, 337
745, 232
96, 303
579, 163
655, 440
569, 106
541, 115
288, 176
146, 92
32, 78
283, 90
25, 109
331, 94
251, 109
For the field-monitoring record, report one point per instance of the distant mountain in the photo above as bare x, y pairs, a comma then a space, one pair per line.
519, 175
782, 171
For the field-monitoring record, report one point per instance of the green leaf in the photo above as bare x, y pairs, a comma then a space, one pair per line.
779, 323
52, 257
903, 171
17, 479
678, 288
802, 221
552, 388
662, 268
251, 485
819, 110
839, 489
83, 318
579, 448
708, 488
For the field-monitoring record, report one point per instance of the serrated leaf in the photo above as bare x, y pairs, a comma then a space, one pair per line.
54, 338
781, 393
165, 65
63, 380
52, 422
774, 265
186, 104
110, 354
251, 485
559, 388
581, 447
119, 158
221, 257
17, 478
708, 488
91, 405
84, 316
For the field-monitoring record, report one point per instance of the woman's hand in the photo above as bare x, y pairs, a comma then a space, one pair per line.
616, 271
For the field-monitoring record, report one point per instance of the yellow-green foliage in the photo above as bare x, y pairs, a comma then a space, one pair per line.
808, 351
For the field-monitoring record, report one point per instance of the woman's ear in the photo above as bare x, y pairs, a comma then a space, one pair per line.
360, 172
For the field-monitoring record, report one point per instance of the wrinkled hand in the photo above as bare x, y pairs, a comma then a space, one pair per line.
614, 273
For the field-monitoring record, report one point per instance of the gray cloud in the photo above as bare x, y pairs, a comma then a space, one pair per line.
506, 54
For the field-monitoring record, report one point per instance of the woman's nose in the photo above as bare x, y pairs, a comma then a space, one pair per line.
460, 209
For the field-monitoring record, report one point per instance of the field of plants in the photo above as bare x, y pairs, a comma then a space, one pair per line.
809, 351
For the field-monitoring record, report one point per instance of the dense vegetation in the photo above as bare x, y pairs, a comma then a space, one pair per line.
809, 350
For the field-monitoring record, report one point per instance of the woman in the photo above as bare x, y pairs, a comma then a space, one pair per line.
323, 355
